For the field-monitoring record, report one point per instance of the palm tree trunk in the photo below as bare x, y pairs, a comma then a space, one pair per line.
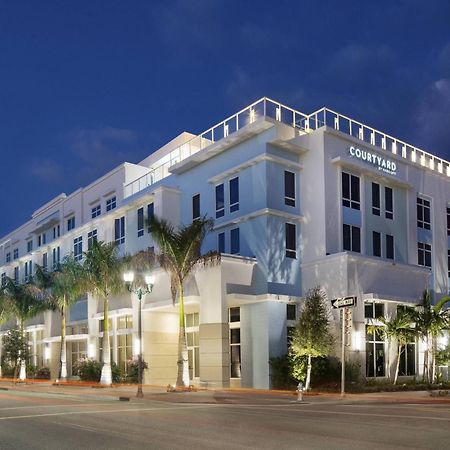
106, 377
183, 362
425, 361
23, 367
308, 374
397, 366
63, 352
433, 360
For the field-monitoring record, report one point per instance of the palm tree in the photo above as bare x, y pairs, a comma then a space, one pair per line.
19, 302
399, 329
431, 320
62, 288
179, 255
103, 274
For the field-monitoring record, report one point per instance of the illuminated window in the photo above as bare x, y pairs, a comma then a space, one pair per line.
375, 353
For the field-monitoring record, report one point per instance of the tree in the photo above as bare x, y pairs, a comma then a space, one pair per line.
398, 328
312, 336
103, 276
431, 320
19, 302
61, 289
180, 253
14, 348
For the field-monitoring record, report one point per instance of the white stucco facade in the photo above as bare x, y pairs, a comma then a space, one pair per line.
297, 203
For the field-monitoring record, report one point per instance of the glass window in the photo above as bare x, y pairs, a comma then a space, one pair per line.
220, 201
291, 240
352, 238
448, 263
291, 312
235, 352
124, 351
16, 275
110, 203
29, 246
373, 310
234, 241
375, 355
16, 253
388, 203
407, 366
125, 322
44, 261
234, 194
96, 211
56, 232
119, 230
3, 279
376, 243
192, 320
196, 207
71, 223
92, 237
235, 314
78, 248
140, 222
8, 257
448, 221
56, 257
150, 213
221, 242
389, 246
423, 213
424, 254
350, 191
289, 188
376, 199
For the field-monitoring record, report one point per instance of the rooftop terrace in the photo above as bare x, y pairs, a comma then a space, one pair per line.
265, 107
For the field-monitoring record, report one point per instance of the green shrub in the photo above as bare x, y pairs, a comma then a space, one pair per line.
7, 370
31, 371
117, 375
43, 373
281, 373
91, 370
133, 369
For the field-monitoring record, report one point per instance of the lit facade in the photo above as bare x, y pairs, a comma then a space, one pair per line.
298, 201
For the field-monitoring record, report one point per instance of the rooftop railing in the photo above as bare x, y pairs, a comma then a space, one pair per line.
266, 107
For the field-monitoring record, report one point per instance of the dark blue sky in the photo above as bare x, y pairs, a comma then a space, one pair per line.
86, 85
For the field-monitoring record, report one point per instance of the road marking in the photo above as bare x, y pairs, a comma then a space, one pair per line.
103, 411
54, 406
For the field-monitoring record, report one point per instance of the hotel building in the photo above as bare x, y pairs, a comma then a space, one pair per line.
298, 200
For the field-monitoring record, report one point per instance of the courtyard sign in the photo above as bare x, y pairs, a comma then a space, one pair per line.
383, 164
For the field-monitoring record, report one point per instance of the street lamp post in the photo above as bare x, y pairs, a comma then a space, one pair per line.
140, 291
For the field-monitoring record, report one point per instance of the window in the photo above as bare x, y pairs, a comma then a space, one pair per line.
448, 263
221, 242
234, 194
291, 311
16, 275
289, 188
424, 254
45, 262
78, 248
375, 199
376, 241
291, 240
388, 203
193, 346
56, 232
373, 310
56, 257
16, 253
124, 350
77, 351
92, 237
3, 279
140, 222
423, 213
235, 342
28, 271
350, 191
389, 246
96, 211
29, 246
234, 241
119, 230
150, 213
125, 322
448, 221
352, 238
8, 257
220, 201
70, 223
407, 366
111, 203
375, 354
196, 207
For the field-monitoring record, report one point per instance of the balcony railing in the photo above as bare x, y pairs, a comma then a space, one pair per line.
266, 107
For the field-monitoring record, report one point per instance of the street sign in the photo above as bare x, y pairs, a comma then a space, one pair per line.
344, 302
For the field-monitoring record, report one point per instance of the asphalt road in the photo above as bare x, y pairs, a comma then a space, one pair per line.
31, 420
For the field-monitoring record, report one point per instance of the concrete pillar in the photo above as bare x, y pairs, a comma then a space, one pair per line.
214, 328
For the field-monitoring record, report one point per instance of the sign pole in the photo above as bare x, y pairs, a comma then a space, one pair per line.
343, 310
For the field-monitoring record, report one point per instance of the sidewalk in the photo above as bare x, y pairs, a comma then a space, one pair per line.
218, 396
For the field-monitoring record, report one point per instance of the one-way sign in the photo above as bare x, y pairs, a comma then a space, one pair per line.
344, 302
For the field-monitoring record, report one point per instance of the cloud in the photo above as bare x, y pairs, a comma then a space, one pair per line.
433, 118
48, 171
